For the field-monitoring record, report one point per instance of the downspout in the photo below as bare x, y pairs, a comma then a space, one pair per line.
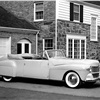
37, 42
56, 34
56, 26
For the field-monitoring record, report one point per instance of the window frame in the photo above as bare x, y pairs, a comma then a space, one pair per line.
96, 32
23, 42
76, 12
35, 12
76, 37
44, 43
81, 17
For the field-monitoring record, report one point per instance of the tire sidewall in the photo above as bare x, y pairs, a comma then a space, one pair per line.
69, 83
7, 79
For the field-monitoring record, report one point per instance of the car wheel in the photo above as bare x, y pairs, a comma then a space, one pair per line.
72, 80
7, 78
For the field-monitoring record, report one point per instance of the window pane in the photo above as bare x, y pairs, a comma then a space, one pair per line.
93, 28
76, 16
48, 44
19, 48
39, 15
76, 8
26, 48
39, 6
76, 49
39, 11
76, 12
82, 49
70, 48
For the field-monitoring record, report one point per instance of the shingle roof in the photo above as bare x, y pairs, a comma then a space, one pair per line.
94, 2
7, 19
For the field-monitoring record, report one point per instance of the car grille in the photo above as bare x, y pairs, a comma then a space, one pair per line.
95, 71
95, 75
95, 68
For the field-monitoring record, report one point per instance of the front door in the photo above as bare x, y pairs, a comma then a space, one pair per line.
36, 69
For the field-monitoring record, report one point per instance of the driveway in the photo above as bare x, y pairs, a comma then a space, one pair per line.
20, 94
52, 87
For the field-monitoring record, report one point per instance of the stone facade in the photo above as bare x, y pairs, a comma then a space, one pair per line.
17, 36
67, 27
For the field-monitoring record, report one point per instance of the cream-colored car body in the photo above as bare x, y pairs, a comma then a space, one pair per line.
47, 67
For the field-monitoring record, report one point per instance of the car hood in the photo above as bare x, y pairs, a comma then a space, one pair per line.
66, 61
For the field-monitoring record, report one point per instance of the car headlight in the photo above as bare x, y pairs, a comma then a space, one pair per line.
89, 70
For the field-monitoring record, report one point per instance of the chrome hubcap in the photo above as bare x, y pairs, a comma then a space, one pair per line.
72, 79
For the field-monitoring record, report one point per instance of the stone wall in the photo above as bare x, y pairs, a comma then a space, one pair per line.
67, 27
25, 9
47, 30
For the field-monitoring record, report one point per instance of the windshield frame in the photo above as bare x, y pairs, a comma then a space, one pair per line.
62, 55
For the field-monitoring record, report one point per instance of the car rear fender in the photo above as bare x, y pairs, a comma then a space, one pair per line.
8, 68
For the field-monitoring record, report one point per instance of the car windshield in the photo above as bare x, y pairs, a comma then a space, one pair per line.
56, 54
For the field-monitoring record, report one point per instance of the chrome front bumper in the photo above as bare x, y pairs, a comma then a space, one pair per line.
92, 77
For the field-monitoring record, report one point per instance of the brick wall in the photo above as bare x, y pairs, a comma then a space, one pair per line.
15, 37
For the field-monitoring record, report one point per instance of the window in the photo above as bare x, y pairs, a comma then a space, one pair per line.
93, 31
23, 46
76, 46
26, 48
47, 44
19, 45
38, 11
76, 12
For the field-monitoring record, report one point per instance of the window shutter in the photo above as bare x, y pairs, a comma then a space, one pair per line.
71, 11
81, 13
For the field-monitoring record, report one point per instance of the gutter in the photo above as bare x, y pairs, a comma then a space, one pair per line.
10, 29
37, 42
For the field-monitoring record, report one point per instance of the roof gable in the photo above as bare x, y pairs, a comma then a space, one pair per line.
7, 19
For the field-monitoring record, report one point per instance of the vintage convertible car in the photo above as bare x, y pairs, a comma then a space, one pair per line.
52, 65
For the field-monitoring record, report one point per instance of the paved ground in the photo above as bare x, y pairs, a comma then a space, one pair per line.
20, 94
52, 87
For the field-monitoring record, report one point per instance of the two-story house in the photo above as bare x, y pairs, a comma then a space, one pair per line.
64, 24
76, 27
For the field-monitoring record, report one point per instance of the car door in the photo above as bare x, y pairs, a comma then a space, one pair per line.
36, 68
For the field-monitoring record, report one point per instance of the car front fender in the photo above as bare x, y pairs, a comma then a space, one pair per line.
58, 73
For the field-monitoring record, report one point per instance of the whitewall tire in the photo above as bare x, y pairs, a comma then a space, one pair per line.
72, 80
6, 78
